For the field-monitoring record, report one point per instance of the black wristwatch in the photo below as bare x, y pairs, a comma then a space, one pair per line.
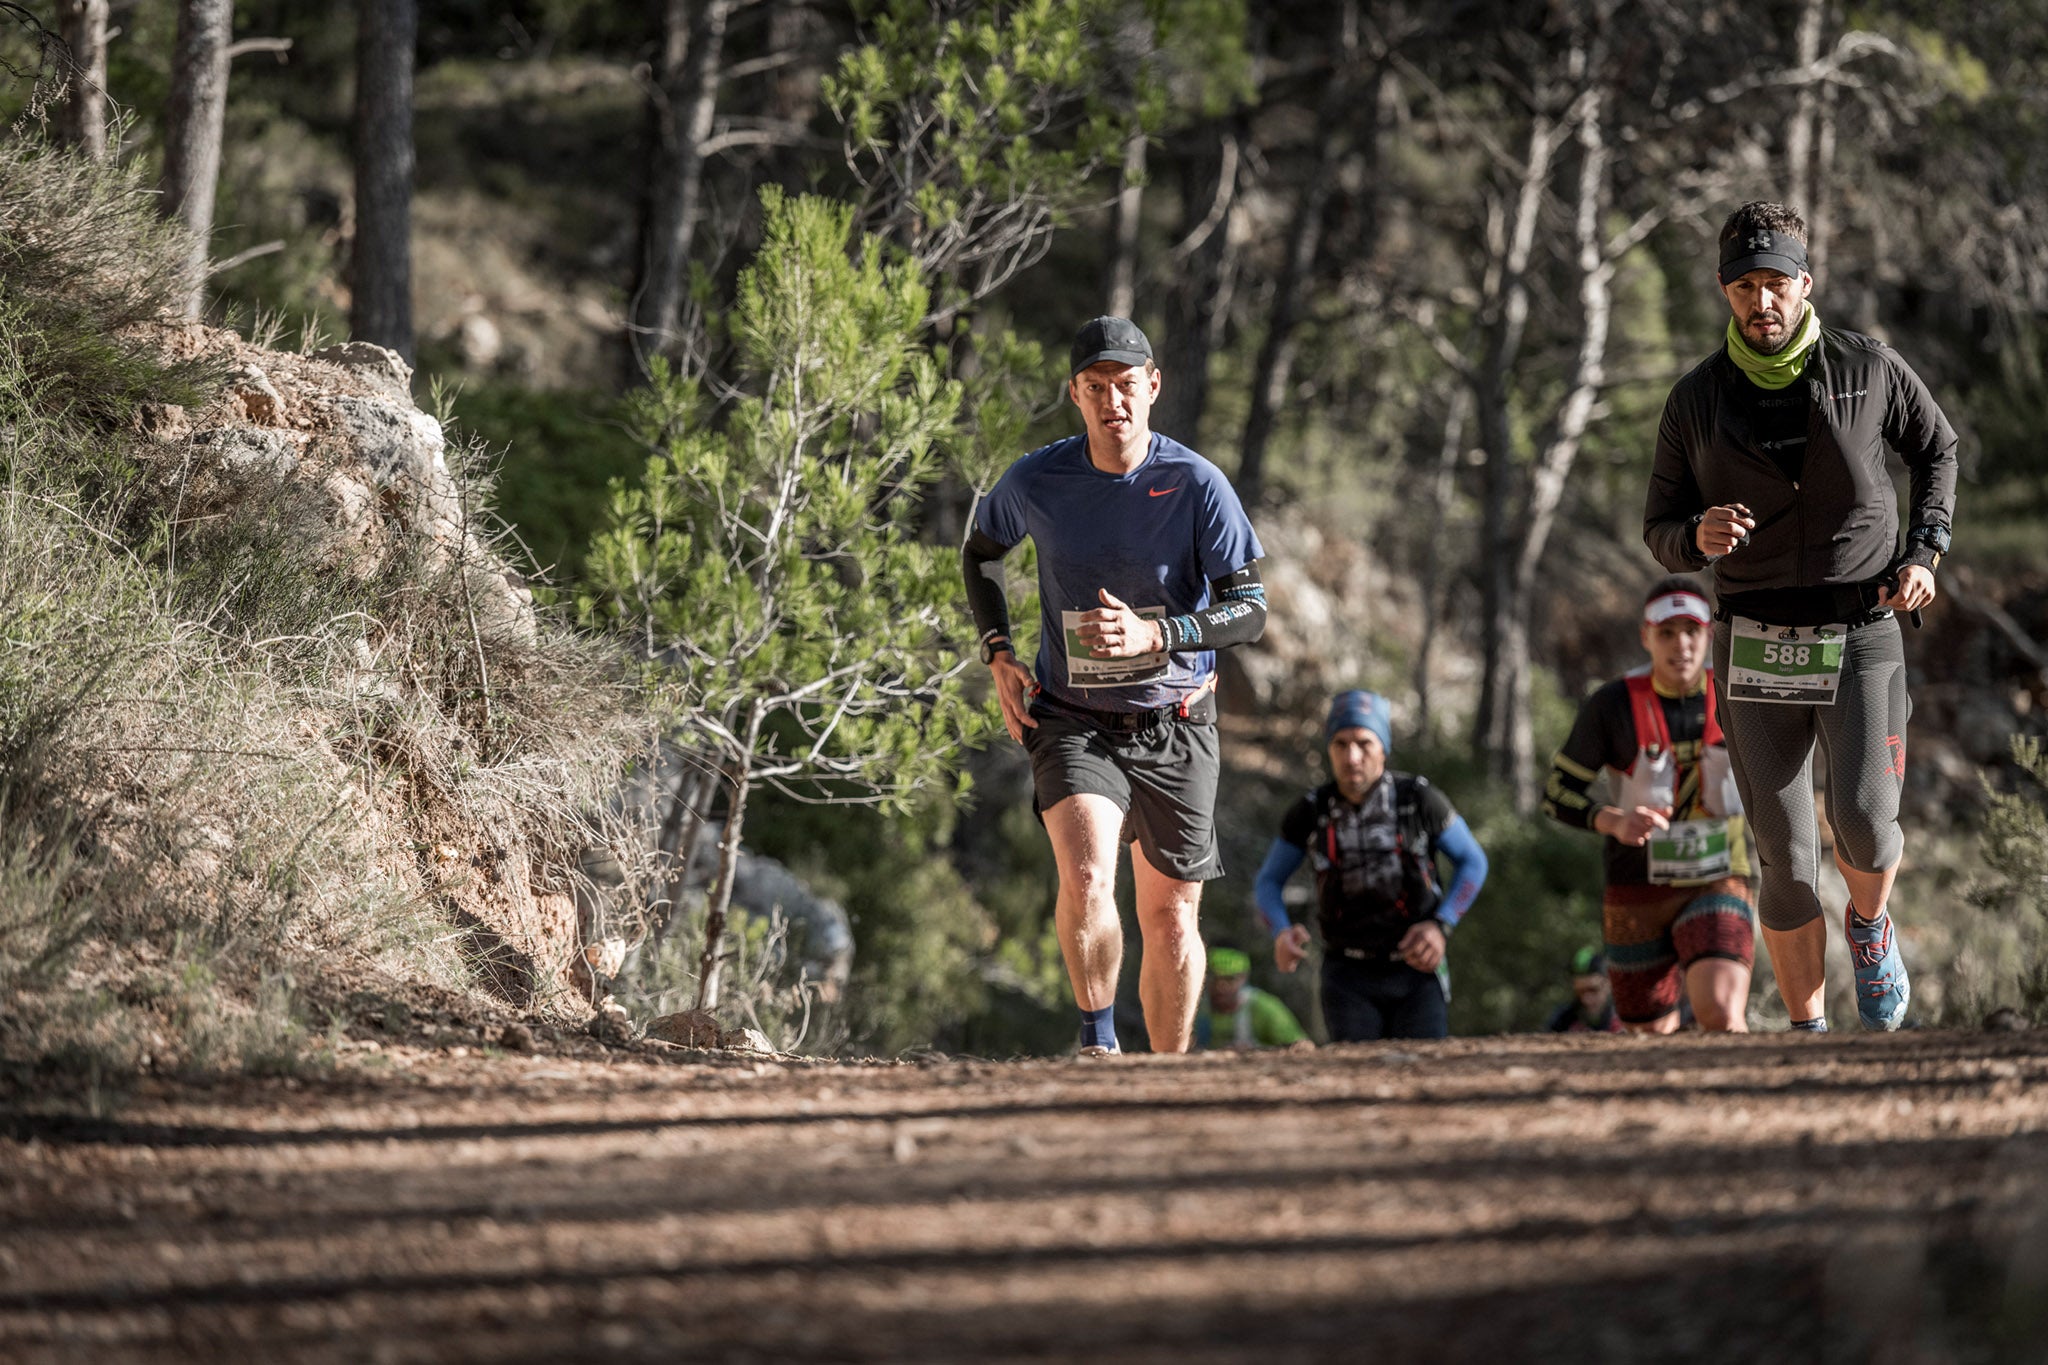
1934, 540
993, 644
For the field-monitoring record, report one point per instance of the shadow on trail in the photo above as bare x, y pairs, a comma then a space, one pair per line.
1828, 1221
72, 1129
666, 1187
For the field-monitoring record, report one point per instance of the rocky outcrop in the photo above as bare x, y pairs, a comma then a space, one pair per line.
342, 420
333, 448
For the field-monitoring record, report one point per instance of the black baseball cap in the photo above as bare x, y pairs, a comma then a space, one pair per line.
1761, 249
1103, 339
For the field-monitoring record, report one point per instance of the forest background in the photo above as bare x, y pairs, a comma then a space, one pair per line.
1419, 277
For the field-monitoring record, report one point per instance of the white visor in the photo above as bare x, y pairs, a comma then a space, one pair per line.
1661, 609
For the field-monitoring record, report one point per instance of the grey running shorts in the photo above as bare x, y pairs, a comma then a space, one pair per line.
1163, 777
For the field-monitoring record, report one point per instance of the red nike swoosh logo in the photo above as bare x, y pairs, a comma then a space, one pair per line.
1162, 492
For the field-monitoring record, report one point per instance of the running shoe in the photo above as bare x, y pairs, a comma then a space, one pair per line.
1097, 1050
1881, 985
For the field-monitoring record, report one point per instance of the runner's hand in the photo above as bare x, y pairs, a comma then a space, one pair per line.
1635, 827
1722, 529
1114, 631
1015, 687
1290, 946
1916, 589
1422, 947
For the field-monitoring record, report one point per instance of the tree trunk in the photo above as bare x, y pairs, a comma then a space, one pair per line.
1504, 315
1274, 369
711, 965
1819, 208
82, 118
1510, 669
1130, 204
1491, 405
192, 132
1800, 131
1198, 292
797, 33
681, 828
1273, 372
380, 308
1434, 599
681, 107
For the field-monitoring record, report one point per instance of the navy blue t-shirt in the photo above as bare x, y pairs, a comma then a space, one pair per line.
1154, 537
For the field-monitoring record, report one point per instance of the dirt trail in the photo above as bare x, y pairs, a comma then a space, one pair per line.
1847, 1198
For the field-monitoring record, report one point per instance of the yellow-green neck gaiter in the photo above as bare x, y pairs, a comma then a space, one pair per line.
1775, 371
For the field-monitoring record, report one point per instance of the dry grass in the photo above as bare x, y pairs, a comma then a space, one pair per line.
237, 741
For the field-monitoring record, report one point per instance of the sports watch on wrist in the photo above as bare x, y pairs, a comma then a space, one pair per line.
991, 645
1934, 538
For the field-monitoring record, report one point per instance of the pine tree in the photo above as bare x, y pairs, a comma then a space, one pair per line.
770, 562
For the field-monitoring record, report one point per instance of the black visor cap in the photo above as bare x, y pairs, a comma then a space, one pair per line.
1761, 249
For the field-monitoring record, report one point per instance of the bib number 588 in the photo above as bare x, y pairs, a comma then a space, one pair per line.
1794, 656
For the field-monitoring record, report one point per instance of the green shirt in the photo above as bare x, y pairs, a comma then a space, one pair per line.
1259, 1020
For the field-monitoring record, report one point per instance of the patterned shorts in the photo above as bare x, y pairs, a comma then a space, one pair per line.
1655, 932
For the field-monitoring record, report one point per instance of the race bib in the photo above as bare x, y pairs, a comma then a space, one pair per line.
1690, 851
1801, 665
1084, 670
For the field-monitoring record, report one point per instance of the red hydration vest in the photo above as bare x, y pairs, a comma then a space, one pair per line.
1653, 736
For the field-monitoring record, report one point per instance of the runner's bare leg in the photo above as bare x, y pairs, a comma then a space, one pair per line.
1799, 957
1719, 991
1667, 1024
1084, 829
1869, 892
1170, 975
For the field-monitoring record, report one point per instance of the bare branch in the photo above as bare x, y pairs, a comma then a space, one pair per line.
1852, 46
244, 257
1421, 314
242, 47
739, 71
1219, 207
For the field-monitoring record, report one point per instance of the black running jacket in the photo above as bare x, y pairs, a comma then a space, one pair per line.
1839, 524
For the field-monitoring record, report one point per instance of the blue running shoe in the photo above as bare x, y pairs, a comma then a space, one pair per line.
1881, 985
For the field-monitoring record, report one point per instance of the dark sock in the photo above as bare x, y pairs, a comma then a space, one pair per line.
1878, 918
1818, 1025
1098, 1028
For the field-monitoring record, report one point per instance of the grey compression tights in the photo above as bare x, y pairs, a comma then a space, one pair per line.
1863, 736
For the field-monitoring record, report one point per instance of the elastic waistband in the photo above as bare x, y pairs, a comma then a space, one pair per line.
1131, 722
1851, 604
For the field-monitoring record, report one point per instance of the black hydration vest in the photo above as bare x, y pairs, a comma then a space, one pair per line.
1375, 868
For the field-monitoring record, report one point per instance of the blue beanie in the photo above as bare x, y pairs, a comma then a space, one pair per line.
1361, 711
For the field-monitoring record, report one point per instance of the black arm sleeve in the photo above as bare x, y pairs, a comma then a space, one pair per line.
1298, 825
981, 564
1567, 797
1236, 614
